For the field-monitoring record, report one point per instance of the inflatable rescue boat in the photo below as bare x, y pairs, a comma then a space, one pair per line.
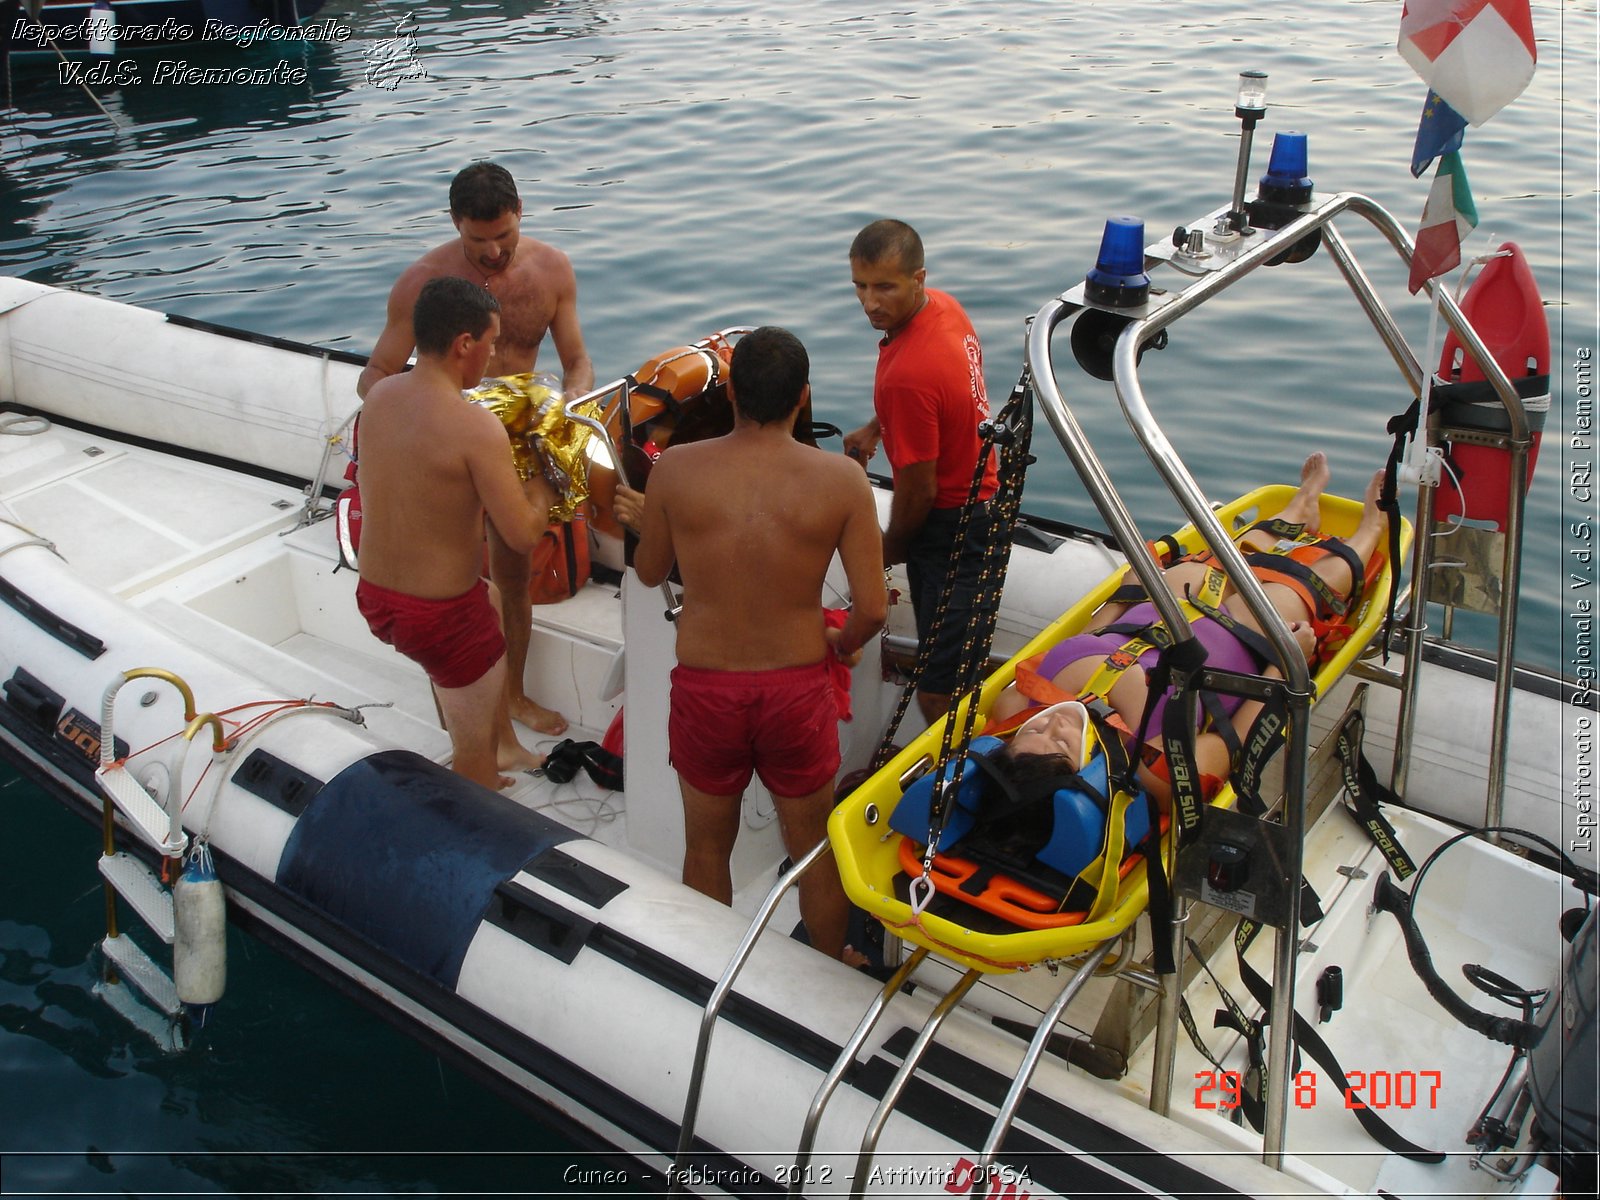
182, 662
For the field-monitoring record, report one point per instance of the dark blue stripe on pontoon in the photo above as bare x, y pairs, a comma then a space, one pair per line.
408, 854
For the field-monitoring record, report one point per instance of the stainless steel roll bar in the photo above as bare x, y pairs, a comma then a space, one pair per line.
1242, 254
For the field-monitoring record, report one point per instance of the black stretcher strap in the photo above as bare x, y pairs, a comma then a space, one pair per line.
1306, 1037
1403, 427
1366, 794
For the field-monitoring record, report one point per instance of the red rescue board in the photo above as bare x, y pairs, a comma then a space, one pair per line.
1504, 306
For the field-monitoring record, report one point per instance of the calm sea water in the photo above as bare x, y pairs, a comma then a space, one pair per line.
706, 165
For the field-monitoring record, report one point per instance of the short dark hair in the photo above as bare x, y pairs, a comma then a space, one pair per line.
769, 372
446, 308
1024, 769
889, 240
482, 192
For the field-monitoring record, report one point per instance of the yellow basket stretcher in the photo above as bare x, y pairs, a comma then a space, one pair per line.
869, 852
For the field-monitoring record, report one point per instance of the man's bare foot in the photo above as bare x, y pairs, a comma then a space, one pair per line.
854, 958
512, 755
536, 717
1314, 472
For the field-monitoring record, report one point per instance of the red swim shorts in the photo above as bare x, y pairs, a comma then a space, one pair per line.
781, 725
455, 641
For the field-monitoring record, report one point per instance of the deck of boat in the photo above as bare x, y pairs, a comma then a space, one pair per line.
212, 556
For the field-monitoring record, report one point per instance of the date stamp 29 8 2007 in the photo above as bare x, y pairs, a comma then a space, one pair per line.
1224, 1090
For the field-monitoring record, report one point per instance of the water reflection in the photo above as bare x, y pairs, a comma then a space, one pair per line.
706, 164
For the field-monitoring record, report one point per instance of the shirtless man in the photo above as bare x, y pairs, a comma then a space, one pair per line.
431, 467
753, 520
537, 291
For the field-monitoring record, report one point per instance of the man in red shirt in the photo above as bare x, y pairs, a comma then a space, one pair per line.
928, 399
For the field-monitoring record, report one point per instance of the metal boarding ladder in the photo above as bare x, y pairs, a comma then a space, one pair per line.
1235, 256
159, 825
1004, 1116
714, 1003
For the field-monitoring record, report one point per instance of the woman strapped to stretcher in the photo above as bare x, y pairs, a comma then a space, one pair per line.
1311, 585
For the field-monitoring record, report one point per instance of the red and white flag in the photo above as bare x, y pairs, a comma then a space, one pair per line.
1477, 55
1447, 218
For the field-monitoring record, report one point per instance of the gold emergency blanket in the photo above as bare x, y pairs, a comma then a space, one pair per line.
544, 440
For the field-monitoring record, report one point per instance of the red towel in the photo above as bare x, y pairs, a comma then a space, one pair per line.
838, 673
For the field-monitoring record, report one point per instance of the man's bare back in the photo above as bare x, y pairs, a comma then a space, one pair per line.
754, 520
430, 468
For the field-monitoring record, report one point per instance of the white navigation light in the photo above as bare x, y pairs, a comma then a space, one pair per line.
1252, 101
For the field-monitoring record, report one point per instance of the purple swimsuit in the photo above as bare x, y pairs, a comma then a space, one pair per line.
1224, 652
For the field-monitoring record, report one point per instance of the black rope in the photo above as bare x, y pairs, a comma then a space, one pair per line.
1404, 428
1011, 432
1387, 897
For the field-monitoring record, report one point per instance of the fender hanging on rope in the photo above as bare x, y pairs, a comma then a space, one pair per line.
200, 944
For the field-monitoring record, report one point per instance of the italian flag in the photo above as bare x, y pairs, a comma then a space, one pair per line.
1448, 216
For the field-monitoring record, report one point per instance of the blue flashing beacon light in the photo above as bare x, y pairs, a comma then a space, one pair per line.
1118, 279
1286, 181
